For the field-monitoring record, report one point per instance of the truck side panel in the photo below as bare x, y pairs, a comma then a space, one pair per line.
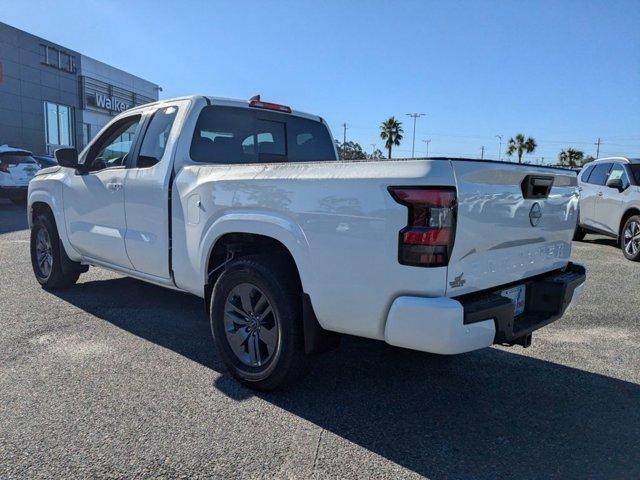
337, 219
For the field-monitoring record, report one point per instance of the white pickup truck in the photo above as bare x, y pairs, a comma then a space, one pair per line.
246, 205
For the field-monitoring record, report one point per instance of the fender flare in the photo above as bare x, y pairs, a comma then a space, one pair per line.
44, 196
269, 225
291, 235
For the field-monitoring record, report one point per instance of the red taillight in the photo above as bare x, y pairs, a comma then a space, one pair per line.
269, 106
427, 240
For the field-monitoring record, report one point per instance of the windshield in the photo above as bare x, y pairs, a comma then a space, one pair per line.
243, 135
16, 158
635, 169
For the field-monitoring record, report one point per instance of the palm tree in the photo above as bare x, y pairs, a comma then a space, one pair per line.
519, 145
571, 157
391, 131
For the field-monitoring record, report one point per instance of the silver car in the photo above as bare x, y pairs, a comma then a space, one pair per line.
610, 202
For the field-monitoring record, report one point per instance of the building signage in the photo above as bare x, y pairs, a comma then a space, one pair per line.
109, 103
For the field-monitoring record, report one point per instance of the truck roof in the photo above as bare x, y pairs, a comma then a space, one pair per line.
618, 159
228, 102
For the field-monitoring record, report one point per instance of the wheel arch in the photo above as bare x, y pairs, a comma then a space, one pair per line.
630, 212
265, 230
239, 238
240, 244
42, 201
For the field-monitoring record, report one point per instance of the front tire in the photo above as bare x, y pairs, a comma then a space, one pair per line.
630, 239
51, 265
256, 321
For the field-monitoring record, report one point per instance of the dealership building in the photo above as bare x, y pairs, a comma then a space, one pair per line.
52, 96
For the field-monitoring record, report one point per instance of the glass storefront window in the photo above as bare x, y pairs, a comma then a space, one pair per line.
58, 124
51, 124
86, 134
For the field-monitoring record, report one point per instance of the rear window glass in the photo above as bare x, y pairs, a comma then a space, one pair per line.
16, 159
599, 174
241, 135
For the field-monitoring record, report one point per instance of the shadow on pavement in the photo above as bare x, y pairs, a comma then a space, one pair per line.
609, 242
487, 414
14, 217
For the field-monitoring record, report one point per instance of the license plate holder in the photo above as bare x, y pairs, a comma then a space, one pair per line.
517, 296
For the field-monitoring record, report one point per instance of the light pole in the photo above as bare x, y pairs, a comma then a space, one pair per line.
344, 133
499, 137
427, 142
415, 117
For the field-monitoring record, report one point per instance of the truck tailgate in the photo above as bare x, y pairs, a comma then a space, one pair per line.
506, 232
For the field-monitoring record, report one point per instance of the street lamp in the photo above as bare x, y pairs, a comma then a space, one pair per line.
427, 142
415, 117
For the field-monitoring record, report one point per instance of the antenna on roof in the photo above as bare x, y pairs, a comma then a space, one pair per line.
255, 98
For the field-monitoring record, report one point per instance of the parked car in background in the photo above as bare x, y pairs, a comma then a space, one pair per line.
610, 202
17, 168
245, 204
45, 161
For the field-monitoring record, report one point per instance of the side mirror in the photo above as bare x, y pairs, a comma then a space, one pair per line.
615, 183
67, 157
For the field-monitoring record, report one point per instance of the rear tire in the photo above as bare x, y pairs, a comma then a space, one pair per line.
51, 265
630, 239
579, 234
263, 351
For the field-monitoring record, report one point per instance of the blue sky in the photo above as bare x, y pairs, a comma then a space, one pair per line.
565, 72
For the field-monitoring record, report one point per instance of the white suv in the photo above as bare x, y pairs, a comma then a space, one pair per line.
610, 202
17, 168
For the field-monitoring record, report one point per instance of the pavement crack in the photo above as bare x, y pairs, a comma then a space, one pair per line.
315, 457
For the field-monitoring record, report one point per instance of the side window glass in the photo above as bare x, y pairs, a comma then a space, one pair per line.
599, 174
156, 136
113, 147
617, 171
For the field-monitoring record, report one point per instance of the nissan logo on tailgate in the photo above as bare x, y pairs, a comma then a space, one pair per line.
535, 214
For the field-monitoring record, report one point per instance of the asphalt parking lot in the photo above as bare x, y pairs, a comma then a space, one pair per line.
116, 378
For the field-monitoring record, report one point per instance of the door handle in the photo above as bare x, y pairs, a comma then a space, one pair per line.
599, 194
114, 186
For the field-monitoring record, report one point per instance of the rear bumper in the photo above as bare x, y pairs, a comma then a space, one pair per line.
456, 325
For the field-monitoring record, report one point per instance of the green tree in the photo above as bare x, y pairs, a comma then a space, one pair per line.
377, 154
350, 151
391, 131
571, 157
520, 146
587, 159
